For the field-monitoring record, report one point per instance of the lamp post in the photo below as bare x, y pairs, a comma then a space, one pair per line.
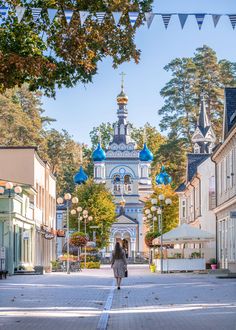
90, 218
67, 198
9, 187
159, 209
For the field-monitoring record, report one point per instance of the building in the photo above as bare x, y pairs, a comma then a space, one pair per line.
197, 194
126, 173
225, 160
23, 165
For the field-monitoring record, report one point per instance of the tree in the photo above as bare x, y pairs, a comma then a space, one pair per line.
104, 132
65, 157
170, 213
48, 55
97, 199
202, 73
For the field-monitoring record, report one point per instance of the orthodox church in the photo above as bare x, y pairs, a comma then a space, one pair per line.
126, 172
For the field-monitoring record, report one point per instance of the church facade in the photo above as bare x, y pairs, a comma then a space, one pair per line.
125, 171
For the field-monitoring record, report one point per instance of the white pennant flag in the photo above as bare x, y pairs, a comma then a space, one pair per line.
36, 13
166, 19
149, 18
100, 16
117, 16
68, 15
133, 18
20, 13
51, 14
83, 16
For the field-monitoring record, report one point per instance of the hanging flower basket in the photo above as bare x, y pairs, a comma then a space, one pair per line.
78, 239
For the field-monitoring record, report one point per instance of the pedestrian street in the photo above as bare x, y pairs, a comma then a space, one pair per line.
89, 300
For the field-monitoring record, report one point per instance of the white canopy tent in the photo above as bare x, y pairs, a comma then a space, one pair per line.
184, 234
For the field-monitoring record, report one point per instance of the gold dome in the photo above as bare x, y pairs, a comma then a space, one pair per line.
122, 98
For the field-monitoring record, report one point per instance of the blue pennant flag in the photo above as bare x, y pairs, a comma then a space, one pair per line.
200, 19
36, 12
83, 16
133, 18
216, 19
20, 11
233, 20
100, 16
3, 13
183, 19
166, 19
117, 16
68, 15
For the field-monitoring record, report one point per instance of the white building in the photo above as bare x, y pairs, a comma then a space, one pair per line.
126, 172
23, 165
197, 193
225, 159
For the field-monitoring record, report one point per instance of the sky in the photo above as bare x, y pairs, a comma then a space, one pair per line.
83, 107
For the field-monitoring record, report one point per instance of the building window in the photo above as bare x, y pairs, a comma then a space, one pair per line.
127, 184
116, 184
183, 209
196, 148
212, 193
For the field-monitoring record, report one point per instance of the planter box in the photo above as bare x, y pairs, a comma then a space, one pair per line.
180, 264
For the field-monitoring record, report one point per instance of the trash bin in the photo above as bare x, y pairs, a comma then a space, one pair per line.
39, 270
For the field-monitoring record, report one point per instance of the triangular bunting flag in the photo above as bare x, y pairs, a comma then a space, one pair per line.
83, 16
233, 20
3, 13
36, 13
100, 16
166, 19
68, 15
133, 18
200, 19
149, 18
51, 14
216, 19
117, 16
183, 19
20, 13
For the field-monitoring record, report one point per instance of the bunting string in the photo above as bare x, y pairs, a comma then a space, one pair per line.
133, 16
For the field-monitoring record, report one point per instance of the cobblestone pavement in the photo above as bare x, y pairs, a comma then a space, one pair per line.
145, 301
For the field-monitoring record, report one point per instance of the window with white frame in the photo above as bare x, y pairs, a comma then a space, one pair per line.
116, 184
183, 209
212, 193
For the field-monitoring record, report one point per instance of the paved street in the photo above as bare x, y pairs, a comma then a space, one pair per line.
88, 300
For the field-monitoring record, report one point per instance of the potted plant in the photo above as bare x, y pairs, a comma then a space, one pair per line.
213, 263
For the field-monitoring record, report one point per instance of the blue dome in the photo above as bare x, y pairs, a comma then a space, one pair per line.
99, 154
145, 155
163, 177
80, 177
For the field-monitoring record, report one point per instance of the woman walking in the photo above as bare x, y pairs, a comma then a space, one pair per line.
119, 264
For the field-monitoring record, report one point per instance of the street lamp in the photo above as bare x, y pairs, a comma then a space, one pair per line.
9, 187
67, 198
90, 218
160, 208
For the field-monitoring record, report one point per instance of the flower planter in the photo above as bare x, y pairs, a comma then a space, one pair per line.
213, 266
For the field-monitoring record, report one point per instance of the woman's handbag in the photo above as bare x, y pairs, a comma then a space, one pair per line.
126, 273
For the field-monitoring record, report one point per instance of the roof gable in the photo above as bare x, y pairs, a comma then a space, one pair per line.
124, 219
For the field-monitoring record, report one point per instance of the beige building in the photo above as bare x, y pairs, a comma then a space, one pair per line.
197, 193
225, 159
23, 165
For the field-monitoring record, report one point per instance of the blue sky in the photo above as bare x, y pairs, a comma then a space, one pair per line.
81, 108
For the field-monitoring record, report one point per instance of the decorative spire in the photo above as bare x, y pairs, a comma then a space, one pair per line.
122, 98
203, 121
122, 80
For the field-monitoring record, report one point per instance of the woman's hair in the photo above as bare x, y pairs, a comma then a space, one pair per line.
118, 251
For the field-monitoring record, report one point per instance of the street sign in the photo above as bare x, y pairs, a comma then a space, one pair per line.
25, 235
94, 227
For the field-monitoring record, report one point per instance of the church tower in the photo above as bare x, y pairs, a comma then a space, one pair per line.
203, 138
126, 172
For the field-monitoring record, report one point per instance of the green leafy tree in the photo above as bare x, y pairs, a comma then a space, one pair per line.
48, 55
190, 77
103, 131
97, 199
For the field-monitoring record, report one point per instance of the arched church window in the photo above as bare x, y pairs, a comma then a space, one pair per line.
196, 149
116, 184
127, 184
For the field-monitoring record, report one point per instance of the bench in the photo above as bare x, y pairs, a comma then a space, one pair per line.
3, 273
